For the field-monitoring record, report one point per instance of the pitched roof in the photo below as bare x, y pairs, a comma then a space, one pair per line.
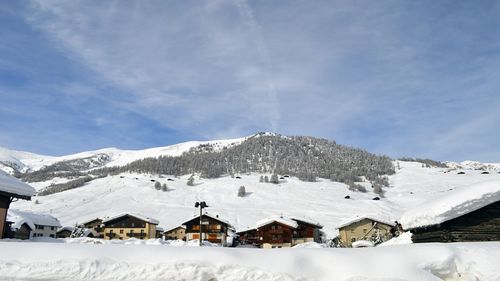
452, 205
11, 185
173, 228
215, 217
141, 217
355, 219
280, 219
90, 220
307, 221
19, 217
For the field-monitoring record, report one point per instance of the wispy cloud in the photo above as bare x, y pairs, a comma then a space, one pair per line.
402, 78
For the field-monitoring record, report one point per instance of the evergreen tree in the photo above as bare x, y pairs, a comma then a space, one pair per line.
266, 179
241, 191
164, 187
157, 185
261, 179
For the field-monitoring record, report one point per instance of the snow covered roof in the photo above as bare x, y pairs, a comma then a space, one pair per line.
68, 228
89, 220
141, 217
355, 219
280, 219
307, 220
452, 205
19, 217
175, 227
10, 184
215, 217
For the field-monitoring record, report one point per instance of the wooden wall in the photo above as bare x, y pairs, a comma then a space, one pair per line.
480, 225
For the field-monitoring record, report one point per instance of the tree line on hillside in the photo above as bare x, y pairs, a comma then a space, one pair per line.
427, 162
304, 157
307, 158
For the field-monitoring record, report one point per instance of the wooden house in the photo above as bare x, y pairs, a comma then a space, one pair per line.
248, 237
10, 189
471, 213
276, 232
214, 229
65, 232
27, 225
176, 233
307, 231
126, 226
365, 228
94, 224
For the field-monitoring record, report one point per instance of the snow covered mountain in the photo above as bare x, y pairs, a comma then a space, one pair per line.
18, 161
322, 200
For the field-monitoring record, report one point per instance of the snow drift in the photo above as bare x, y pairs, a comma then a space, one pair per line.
152, 261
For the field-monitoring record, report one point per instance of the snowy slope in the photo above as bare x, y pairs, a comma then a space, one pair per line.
321, 201
25, 161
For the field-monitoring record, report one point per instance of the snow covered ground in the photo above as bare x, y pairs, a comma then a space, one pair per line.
154, 261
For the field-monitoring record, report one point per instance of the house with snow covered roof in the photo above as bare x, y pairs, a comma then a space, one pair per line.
10, 189
95, 225
175, 233
363, 227
276, 232
282, 231
471, 213
127, 225
213, 229
27, 225
248, 237
307, 230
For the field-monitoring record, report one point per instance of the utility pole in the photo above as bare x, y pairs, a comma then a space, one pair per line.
202, 205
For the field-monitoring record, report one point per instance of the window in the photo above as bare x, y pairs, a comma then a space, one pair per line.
352, 230
279, 226
353, 239
133, 224
52, 236
37, 226
52, 227
365, 230
121, 231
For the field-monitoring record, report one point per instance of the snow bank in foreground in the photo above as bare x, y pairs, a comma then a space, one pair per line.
423, 262
452, 205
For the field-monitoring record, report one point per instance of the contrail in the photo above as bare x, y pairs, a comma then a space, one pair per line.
246, 14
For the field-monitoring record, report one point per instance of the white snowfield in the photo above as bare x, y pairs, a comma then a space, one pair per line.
26, 161
73, 261
452, 205
11, 185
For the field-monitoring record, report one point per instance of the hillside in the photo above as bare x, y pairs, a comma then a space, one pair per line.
322, 201
314, 177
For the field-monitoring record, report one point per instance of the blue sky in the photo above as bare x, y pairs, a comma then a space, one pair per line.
402, 78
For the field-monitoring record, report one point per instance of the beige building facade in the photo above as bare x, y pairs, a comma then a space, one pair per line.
364, 228
128, 226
